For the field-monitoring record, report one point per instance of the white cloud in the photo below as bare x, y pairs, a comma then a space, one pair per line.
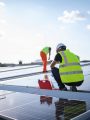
0, 35
88, 26
71, 17
88, 12
2, 21
2, 12
2, 4
62, 28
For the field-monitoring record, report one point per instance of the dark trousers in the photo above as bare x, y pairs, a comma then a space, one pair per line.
56, 75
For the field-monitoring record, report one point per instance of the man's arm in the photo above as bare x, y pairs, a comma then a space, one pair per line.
49, 53
53, 64
56, 60
49, 56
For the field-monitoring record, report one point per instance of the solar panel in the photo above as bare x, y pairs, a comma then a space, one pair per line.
29, 106
22, 106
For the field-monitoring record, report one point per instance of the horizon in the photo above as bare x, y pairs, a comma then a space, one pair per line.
26, 26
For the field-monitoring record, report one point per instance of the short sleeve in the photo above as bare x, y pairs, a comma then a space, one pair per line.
58, 58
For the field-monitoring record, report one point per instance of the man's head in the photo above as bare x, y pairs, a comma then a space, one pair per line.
60, 47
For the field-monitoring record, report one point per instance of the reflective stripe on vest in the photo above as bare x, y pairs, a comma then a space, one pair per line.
73, 72
70, 64
64, 56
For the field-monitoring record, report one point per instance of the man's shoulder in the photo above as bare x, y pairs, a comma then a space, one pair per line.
58, 57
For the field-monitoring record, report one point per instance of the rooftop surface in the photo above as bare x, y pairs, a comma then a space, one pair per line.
21, 98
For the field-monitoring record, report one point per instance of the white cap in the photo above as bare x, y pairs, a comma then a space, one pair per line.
59, 46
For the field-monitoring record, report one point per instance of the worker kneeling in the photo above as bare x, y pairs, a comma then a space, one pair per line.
70, 71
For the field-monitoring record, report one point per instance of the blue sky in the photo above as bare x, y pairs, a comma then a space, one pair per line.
26, 26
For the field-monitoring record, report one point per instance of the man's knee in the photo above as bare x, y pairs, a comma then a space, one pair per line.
74, 83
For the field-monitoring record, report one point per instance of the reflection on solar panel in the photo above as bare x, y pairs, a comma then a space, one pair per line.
22, 106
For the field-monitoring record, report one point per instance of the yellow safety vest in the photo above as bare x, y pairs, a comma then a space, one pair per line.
70, 69
45, 50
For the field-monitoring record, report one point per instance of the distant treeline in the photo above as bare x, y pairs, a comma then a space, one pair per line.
85, 61
6, 65
32, 63
21, 64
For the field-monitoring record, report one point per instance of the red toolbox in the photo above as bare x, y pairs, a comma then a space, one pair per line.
45, 84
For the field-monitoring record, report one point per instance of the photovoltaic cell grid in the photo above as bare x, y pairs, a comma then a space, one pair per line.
22, 106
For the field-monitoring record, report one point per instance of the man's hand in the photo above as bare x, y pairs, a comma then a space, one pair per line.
49, 58
53, 64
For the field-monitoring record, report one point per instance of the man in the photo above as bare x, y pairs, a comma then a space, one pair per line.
69, 72
43, 53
